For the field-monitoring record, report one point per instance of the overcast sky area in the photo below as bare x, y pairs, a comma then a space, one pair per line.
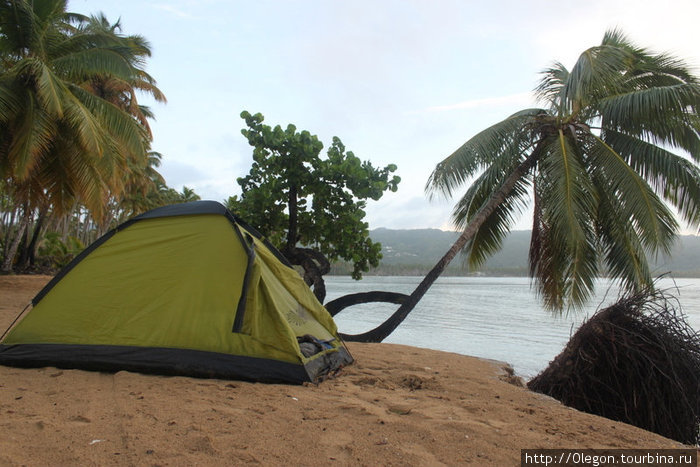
404, 82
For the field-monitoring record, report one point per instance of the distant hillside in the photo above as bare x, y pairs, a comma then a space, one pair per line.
414, 252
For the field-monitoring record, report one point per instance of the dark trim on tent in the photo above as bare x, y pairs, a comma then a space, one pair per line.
278, 254
249, 247
168, 361
184, 209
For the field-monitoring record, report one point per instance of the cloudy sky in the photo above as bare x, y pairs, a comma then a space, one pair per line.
404, 82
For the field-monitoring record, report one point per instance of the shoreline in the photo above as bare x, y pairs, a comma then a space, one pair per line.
396, 405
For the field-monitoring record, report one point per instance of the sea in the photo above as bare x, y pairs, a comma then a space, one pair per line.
499, 318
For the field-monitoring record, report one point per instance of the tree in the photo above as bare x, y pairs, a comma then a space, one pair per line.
61, 141
312, 208
597, 163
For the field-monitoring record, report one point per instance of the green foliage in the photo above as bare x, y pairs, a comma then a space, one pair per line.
74, 141
71, 129
54, 252
601, 170
297, 197
72, 133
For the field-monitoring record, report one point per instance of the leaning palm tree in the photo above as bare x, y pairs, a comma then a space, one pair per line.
598, 166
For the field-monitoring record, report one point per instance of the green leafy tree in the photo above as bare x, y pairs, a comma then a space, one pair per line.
311, 207
598, 163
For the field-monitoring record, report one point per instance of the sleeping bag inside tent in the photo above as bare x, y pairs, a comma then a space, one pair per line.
186, 289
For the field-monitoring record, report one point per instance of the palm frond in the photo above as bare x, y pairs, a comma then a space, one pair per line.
644, 210
552, 84
674, 177
79, 65
10, 104
664, 115
503, 139
621, 247
598, 71
547, 267
490, 235
569, 203
120, 124
32, 138
41, 80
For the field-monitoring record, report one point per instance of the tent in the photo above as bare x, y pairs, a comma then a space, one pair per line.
186, 289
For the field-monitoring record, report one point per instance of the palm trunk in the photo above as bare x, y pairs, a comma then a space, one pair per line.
292, 235
382, 331
14, 245
7, 231
35, 237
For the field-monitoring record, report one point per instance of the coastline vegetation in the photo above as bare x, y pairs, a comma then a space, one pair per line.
414, 252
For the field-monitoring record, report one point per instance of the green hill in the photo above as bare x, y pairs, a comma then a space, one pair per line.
414, 252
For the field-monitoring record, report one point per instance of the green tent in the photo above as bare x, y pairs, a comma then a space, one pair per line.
186, 289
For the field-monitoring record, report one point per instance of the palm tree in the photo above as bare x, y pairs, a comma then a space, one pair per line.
60, 141
115, 89
597, 163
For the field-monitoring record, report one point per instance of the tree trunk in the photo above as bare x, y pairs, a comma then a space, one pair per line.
315, 266
7, 232
14, 245
23, 251
382, 331
292, 235
35, 237
339, 304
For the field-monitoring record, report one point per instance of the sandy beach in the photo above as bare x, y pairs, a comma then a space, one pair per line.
396, 406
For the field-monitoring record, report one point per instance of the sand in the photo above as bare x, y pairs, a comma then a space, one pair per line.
396, 406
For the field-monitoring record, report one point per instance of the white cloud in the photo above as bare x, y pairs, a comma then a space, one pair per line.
171, 9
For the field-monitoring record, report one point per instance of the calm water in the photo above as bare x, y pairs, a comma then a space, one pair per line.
498, 318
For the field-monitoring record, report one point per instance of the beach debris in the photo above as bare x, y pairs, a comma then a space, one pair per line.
95, 441
636, 361
412, 382
510, 377
400, 409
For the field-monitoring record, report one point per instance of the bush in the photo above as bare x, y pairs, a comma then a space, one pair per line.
55, 253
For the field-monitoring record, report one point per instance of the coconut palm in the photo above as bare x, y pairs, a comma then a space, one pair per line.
60, 141
115, 89
597, 162
49, 121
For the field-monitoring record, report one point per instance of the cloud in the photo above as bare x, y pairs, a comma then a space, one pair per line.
177, 173
172, 9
